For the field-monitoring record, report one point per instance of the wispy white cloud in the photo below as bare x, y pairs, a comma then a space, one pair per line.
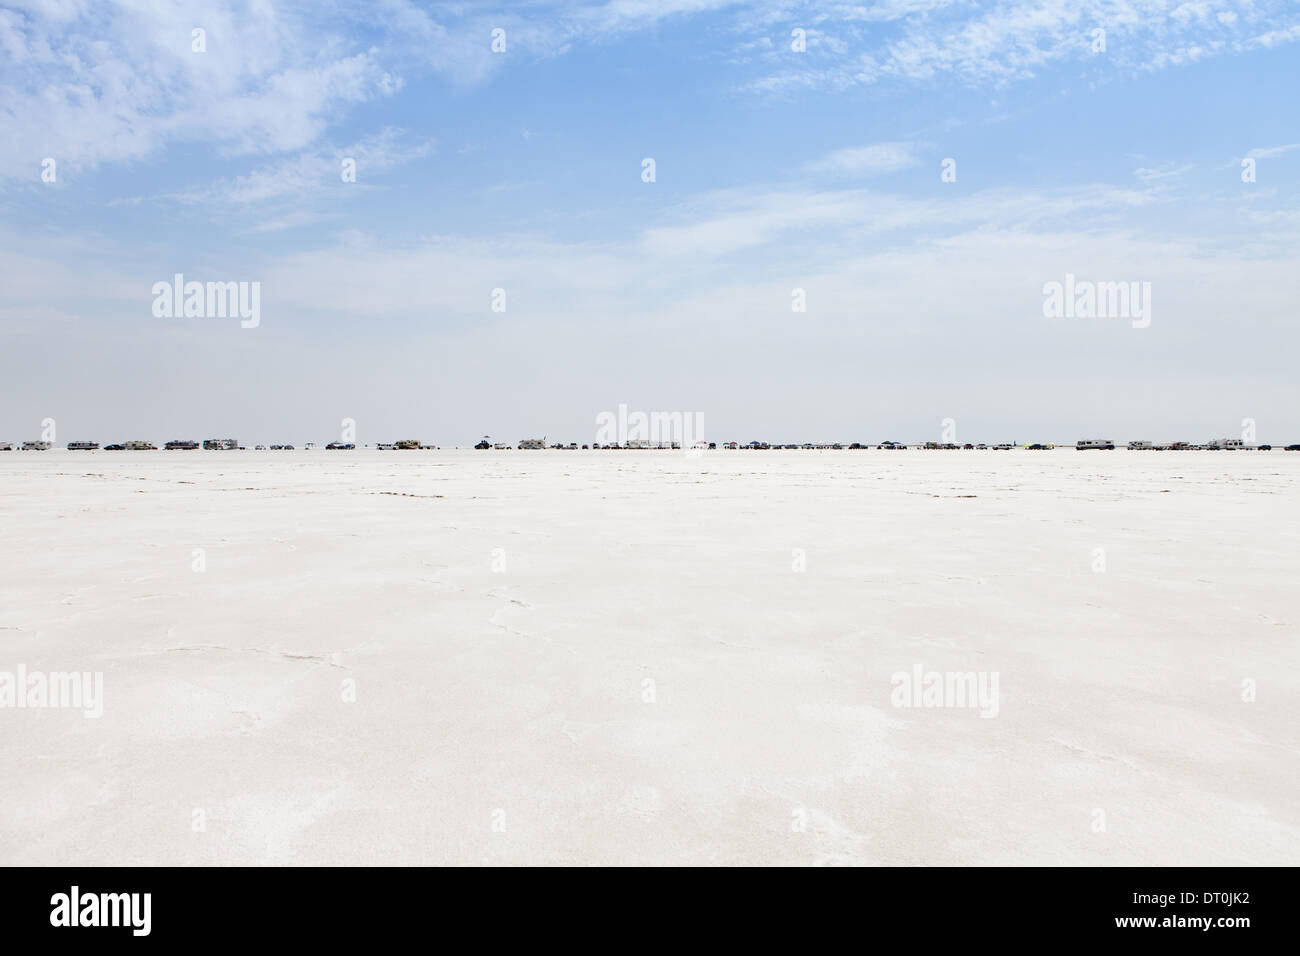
1152, 174
804, 223
1272, 152
866, 160
110, 83
1012, 40
312, 171
119, 82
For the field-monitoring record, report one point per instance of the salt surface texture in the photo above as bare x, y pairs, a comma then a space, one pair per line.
589, 657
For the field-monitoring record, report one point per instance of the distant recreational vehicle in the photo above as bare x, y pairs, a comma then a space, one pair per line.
83, 445
220, 444
1225, 444
1140, 446
407, 444
177, 444
6, 446
36, 446
532, 444
139, 446
1089, 444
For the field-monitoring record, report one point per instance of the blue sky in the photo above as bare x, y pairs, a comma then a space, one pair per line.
775, 170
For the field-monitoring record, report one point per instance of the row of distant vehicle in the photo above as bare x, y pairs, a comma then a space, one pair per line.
1087, 444
532, 444
212, 444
